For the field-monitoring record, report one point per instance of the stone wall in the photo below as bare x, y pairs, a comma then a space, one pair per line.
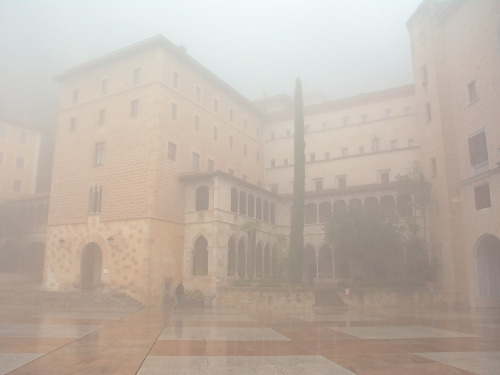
307, 299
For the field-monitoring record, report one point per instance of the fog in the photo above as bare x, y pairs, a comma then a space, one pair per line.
338, 48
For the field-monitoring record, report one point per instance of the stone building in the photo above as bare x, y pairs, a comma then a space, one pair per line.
23, 211
164, 172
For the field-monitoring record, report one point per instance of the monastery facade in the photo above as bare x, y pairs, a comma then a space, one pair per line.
159, 164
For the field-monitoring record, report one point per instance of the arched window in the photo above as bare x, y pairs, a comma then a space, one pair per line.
234, 200
243, 203
309, 263
267, 261
488, 267
371, 206
200, 257
387, 206
231, 257
258, 260
258, 209
202, 198
241, 262
324, 212
251, 205
339, 209
266, 211
272, 213
355, 207
310, 213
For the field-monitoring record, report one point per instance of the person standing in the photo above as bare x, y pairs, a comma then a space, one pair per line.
179, 294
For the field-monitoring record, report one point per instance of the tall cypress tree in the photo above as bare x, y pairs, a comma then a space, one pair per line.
296, 249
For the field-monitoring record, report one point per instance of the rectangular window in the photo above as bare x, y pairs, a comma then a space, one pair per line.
327, 155
478, 150
104, 86
102, 116
99, 153
3, 131
272, 162
197, 94
171, 150
216, 105
394, 144
428, 112
341, 182
345, 151
137, 76
345, 120
245, 124
175, 79
134, 108
364, 117
230, 141
411, 142
471, 91
285, 161
173, 112
76, 94
231, 115
95, 199
482, 196
195, 163
318, 185
312, 156
216, 133
361, 150
1, 158
274, 188
433, 168
387, 113
17, 185
257, 156
197, 123
245, 149
376, 144
20, 161
210, 165
22, 137
384, 177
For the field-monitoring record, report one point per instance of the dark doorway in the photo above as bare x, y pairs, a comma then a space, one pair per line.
91, 266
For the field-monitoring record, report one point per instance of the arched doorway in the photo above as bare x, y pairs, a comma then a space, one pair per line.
200, 257
488, 267
241, 261
91, 261
309, 264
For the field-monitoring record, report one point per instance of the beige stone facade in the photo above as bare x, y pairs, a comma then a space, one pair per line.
456, 55
160, 166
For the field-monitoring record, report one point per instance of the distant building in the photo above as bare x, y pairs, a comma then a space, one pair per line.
19, 156
164, 172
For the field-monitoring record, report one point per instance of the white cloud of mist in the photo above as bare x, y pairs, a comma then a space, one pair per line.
338, 47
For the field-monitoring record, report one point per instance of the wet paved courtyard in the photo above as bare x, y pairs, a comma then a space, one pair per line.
211, 341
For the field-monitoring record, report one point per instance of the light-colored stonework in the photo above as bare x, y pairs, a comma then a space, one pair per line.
178, 161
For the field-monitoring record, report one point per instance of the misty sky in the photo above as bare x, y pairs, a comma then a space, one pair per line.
338, 47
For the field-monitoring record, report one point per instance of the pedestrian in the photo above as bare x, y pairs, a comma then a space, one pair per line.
179, 294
